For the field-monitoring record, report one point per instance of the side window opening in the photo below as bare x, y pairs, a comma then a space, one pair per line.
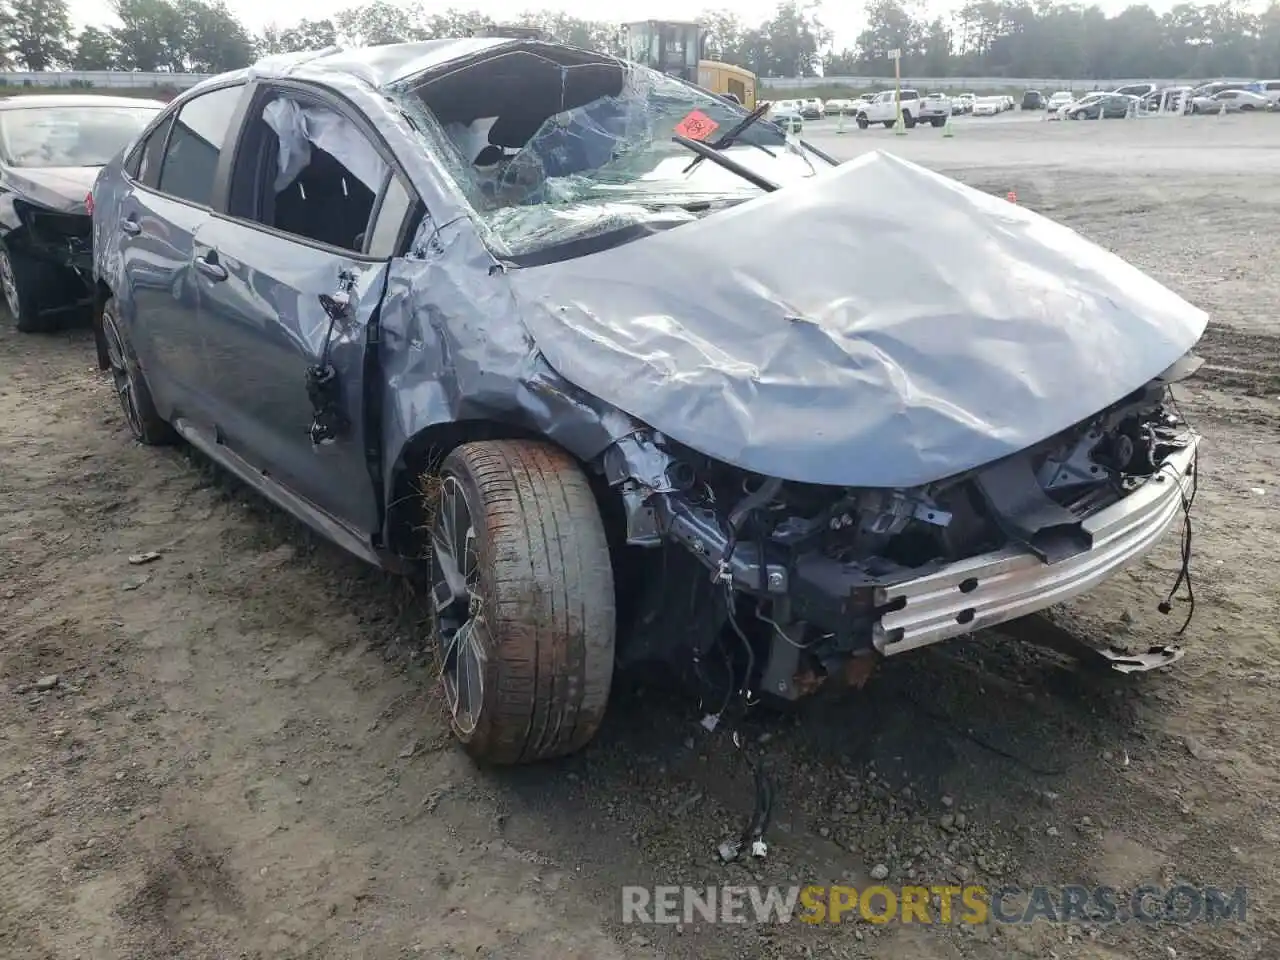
310, 172
199, 133
151, 155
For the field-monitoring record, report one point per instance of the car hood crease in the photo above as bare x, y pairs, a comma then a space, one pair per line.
877, 325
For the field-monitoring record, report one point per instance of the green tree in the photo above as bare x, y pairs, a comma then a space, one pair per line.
211, 40
95, 49
1012, 38
379, 22
149, 36
38, 32
309, 35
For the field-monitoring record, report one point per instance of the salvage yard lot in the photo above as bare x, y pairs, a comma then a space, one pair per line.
243, 754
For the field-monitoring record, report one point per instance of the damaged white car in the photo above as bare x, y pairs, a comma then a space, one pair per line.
626, 374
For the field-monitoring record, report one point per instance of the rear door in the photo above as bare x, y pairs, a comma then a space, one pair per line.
295, 270
166, 204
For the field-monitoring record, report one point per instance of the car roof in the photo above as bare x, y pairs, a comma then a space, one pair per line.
378, 65
74, 100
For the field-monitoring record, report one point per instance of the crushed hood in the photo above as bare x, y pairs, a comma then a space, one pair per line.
877, 325
58, 188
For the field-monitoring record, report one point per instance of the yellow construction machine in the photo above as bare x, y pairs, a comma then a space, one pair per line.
675, 47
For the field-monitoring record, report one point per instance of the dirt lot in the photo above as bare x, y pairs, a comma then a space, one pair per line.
243, 756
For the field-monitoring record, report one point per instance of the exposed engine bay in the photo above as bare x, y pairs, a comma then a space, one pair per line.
810, 578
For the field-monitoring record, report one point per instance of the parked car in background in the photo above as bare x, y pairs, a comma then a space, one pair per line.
787, 115
1269, 89
51, 149
988, 106
1009, 102
811, 108
1233, 101
1111, 106
839, 108
933, 109
1059, 99
1218, 86
352, 280
966, 101
1139, 90
1033, 100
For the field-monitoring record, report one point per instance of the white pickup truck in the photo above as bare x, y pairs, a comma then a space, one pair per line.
934, 109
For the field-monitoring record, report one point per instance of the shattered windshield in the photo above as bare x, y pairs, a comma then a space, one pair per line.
549, 152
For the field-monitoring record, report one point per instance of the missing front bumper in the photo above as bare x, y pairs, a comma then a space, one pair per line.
991, 589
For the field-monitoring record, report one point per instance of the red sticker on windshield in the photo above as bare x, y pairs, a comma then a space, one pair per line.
697, 126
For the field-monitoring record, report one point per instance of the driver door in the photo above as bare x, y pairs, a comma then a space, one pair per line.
291, 278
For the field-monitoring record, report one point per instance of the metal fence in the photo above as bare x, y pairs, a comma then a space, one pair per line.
113, 79
958, 83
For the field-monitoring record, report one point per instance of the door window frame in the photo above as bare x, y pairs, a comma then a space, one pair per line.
261, 92
171, 117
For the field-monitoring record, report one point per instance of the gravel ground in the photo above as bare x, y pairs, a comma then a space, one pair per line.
235, 749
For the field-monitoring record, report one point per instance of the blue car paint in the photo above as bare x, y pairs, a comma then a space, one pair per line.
740, 326
228, 357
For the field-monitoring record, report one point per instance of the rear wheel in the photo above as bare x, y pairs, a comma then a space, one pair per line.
888, 124
523, 600
146, 425
29, 286
938, 121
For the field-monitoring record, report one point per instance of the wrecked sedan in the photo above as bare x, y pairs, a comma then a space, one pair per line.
627, 375
51, 149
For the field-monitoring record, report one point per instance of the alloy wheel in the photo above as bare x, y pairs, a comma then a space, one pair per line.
462, 632
9, 283
121, 374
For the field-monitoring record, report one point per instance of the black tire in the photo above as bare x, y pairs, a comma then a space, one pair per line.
863, 122
536, 622
146, 425
888, 124
938, 121
908, 120
28, 287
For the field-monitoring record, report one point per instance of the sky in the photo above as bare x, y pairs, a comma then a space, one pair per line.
843, 18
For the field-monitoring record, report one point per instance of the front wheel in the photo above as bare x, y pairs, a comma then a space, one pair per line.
523, 600
863, 122
29, 287
908, 121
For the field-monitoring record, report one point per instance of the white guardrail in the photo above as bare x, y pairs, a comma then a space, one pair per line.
113, 79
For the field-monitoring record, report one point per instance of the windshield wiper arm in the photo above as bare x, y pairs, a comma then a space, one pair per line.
728, 138
708, 152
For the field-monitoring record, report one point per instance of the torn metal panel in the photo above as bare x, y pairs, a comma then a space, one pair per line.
453, 348
62, 189
819, 335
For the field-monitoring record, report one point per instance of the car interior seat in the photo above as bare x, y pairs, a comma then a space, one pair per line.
325, 202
